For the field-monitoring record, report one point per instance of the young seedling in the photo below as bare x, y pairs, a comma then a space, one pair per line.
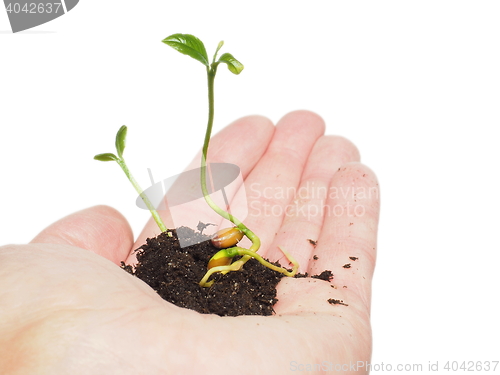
120, 146
221, 261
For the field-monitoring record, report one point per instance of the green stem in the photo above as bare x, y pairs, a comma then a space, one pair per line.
154, 213
255, 240
267, 264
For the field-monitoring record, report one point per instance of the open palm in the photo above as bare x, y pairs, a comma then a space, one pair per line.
66, 308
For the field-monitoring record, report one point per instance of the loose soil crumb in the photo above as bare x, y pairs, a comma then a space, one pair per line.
315, 257
336, 302
174, 273
312, 242
353, 258
325, 275
348, 265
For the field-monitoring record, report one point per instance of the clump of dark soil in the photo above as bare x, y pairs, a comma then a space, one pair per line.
174, 273
325, 275
333, 301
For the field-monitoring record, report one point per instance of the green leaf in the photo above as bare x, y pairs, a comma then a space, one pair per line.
106, 157
120, 140
221, 43
188, 45
232, 64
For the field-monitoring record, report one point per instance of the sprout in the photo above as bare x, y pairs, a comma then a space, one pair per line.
221, 261
120, 146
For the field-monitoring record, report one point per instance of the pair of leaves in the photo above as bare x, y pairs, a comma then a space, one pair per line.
192, 46
120, 141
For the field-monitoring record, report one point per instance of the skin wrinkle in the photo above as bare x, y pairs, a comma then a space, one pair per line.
294, 214
289, 155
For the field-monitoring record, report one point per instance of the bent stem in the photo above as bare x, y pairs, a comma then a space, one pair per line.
236, 266
190, 45
211, 72
120, 139
143, 196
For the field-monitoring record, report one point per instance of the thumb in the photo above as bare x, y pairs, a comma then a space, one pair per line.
100, 229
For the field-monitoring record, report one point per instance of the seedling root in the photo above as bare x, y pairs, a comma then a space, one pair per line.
246, 255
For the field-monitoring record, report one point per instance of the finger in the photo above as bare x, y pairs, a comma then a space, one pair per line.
241, 143
278, 171
347, 244
100, 229
304, 215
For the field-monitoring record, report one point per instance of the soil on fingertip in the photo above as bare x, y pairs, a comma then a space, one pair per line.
174, 273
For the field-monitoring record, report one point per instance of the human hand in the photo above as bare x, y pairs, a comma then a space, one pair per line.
67, 308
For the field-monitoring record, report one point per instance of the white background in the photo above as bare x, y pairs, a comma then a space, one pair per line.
415, 85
